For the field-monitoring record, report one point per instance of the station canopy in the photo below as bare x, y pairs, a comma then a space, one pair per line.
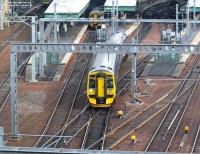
195, 3
123, 5
67, 8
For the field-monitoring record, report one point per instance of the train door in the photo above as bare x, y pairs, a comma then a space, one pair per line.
101, 87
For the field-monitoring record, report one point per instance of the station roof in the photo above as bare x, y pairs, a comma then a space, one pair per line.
67, 8
123, 5
197, 5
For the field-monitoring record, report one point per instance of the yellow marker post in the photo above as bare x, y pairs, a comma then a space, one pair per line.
184, 138
120, 114
186, 130
133, 138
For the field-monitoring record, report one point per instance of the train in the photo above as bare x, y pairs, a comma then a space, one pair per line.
46, 2
95, 14
102, 77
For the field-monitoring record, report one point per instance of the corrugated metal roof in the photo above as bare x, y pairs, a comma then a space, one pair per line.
67, 8
123, 5
191, 3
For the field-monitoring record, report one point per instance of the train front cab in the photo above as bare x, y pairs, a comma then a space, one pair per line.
101, 89
46, 2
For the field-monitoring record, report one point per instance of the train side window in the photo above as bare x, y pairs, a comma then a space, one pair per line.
110, 83
92, 83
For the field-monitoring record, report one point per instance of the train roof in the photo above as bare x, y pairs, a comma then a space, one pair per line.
67, 8
117, 38
123, 5
104, 61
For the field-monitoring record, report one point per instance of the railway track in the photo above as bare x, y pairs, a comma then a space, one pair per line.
5, 90
96, 128
84, 123
181, 141
166, 130
62, 112
36, 10
12, 36
21, 61
5, 82
196, 143
80, 126
121, 132
123, 84
124, 80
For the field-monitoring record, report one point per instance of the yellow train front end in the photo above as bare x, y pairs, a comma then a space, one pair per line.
94, 15
46, 2
101, 89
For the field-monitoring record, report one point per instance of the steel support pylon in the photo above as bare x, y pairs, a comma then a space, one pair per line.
42, 55
55, 25
33, 58
133, 78
194, 13
177, 22
13, 82
1, 15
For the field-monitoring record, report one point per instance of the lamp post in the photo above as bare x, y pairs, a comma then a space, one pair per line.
188, 17
114, 15
194, 12
177, 23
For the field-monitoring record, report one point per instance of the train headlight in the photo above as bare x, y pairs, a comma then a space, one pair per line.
109, 91
91, 91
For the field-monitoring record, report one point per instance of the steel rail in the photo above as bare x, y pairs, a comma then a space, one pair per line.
45, 145
145, 121
169, 109
101, 129
129, 71
83, 126
185, 108
20, 70
86, 133
142, 112
139, 71
67, 125
196, 140
124, 75
5, 44
74, 99
58, 102
62, 130
105, 131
